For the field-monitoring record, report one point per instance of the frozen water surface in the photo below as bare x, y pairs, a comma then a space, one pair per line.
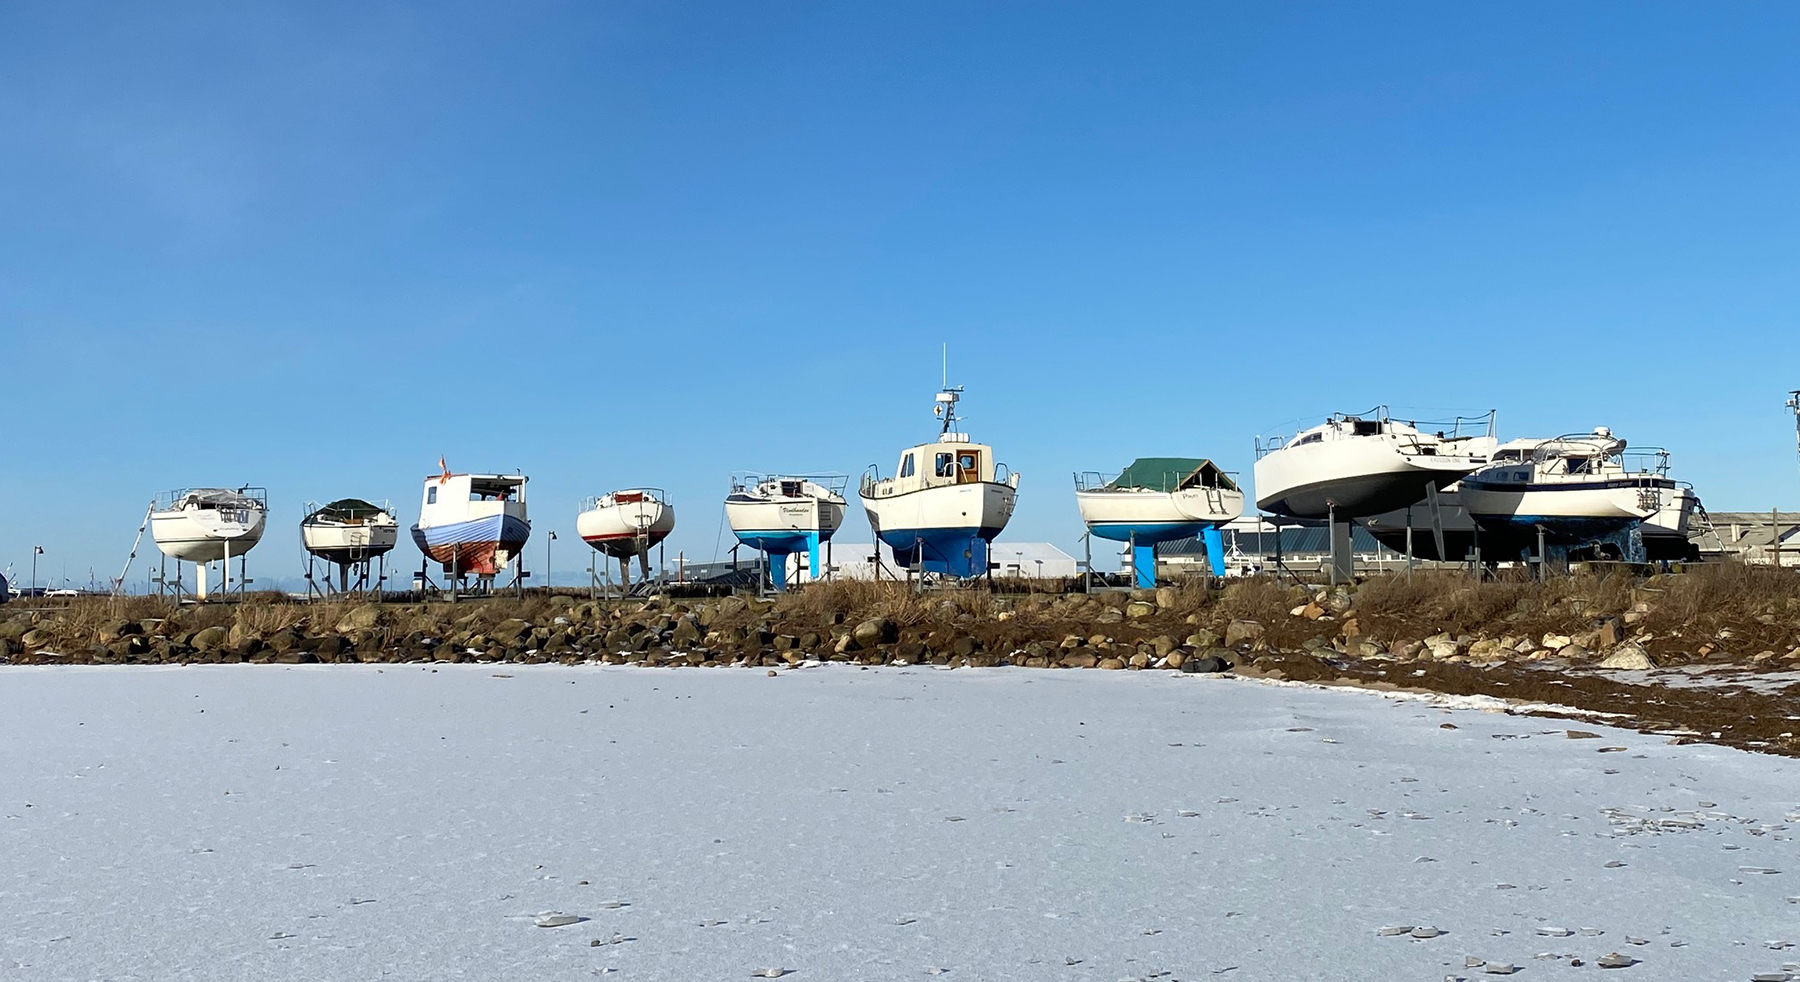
363, 822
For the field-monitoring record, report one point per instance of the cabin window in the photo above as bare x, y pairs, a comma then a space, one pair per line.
1309, 438
431, 496
1366, 427
968, 463
943, 465
906, 466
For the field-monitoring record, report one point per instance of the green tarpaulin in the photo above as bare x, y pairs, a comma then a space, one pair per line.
1172, 474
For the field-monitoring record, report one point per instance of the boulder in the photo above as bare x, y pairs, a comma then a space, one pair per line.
363, 618
1139, 608
1629, 656
1210, 663
1112, 664
686, 632
1241, 632
874, 631
1167, 597
1080, 659
510, 631
211, 638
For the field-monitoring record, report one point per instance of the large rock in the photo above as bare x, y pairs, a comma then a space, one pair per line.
211, 638
686, 632
1139, 608
1211, 663
511, 631
874, 631
361, 618
1629, 656
1241, 632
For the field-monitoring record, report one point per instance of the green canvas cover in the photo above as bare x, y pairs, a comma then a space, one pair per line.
349, 510
1172, 474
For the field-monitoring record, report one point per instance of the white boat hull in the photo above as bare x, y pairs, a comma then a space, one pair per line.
349, 543
206, 535
784, 515
1351, 478
944, 528
1125, 514
1622, 503
626, 529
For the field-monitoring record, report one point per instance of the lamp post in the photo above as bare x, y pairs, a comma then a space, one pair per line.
547, 542
36, 551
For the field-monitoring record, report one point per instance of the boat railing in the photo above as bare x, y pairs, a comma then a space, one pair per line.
230, 497
1002, 473
832, 481
870, 478
657, 494
1646, 460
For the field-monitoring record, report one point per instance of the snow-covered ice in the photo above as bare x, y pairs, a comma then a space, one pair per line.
410, 822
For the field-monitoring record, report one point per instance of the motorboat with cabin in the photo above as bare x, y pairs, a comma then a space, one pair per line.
1573, 490
1353, 466
946, 501
1160, 499
349, 533
472, 524
627, 523
208, 525
1668, 536
782, 515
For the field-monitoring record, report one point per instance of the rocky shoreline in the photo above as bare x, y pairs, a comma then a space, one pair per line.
1525, 642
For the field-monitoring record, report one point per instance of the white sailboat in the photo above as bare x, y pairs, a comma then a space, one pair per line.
627, 523
208, 525
348, 533
1352, 466
946, 501
786, 514
1160, 499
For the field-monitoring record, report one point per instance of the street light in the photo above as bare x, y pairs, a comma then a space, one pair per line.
36, 551
547, 542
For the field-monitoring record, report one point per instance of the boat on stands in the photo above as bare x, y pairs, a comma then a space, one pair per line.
946, 501
1573, 490
349, 533
472, 524
627, 523
1354, 466
208, 525
1160, 499
782, 515
205, 525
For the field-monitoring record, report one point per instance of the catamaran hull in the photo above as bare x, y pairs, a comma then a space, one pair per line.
943, 529
476, 547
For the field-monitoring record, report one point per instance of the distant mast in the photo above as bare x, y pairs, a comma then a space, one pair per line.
1793, 403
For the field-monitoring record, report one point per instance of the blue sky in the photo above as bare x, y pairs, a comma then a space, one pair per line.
314, 246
